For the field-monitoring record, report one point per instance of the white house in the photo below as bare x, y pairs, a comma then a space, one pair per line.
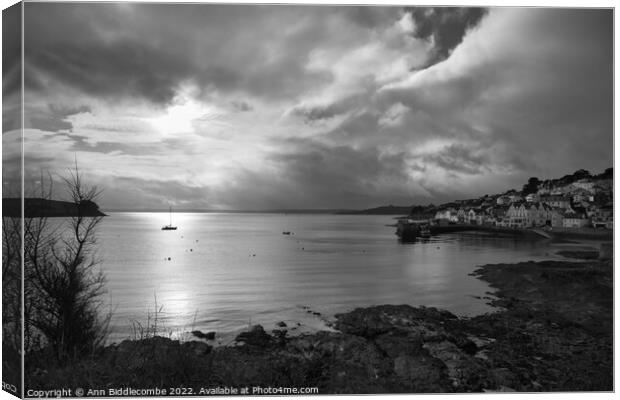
448, 214
574, 219
526, 215
556, 201
516, 216
581, 195
532, 198
502, 200
584, 184
537, 215
515, 198
471, 216
557, 217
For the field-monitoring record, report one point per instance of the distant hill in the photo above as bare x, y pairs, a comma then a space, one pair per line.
228, 211
383, 210
35, 207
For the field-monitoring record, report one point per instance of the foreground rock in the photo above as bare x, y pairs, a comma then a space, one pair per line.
553, 333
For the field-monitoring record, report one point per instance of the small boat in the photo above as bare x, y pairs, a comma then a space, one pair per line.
169, 227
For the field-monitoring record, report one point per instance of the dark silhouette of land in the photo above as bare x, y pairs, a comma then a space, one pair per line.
39, 208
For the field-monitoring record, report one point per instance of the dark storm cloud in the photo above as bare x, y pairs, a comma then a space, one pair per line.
80, 144
358, 126
160, 148
321, 112
318, 107
148, 50
11, 114
459, 158
309, 174
129, 69
339, 176
11, 47
446, 26
54, 118
548, 105
241, 106
370, 17
11, 67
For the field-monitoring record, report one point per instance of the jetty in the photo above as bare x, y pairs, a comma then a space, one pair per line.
409, 227
439, 229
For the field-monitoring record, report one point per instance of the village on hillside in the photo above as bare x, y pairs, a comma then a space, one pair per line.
580, 200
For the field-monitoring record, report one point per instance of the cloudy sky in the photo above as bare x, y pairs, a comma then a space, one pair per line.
258, 107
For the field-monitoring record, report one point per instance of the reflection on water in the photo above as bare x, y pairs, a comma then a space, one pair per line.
223, 271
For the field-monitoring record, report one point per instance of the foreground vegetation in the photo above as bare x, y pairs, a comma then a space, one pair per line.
553, 332
62, 284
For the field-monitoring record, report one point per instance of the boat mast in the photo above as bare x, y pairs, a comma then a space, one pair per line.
170, 215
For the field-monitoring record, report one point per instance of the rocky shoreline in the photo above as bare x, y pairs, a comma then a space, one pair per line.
553, 331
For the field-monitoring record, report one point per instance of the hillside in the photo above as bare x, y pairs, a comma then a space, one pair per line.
602, 180
36, 207
383, 210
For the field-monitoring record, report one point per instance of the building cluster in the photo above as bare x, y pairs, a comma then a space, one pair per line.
583, 203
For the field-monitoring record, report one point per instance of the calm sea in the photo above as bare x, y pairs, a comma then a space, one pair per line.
222, 272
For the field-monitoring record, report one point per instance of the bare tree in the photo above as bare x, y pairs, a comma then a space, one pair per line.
11, 293
63, 284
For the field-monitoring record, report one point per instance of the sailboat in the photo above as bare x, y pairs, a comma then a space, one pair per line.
169, 227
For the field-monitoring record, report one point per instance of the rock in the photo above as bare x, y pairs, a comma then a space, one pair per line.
256, 336
557, 336
281, 324
451, 356
480, 341
126, 346
160, 342
280, 336
606, 251
198, 348
465, 344
395, 345
419, 369
201, 335
580, 254
373, 321
467, 373
503, 378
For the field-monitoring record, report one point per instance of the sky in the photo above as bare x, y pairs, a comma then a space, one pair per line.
270, 107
